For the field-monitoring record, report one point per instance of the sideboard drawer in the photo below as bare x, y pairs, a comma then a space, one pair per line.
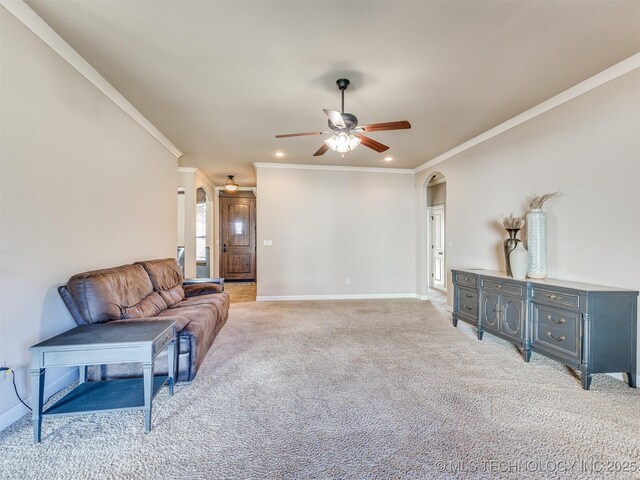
468, 303
468, 279
502, 287
557, 331
571, 300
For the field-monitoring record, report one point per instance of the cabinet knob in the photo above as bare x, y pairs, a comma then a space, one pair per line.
552, 296
468, 307
468, 295
498, 286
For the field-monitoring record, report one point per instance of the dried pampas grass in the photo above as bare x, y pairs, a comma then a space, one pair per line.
512, 222
536, 201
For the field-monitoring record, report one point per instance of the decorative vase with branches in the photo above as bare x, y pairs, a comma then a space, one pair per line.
537, 235
512, 225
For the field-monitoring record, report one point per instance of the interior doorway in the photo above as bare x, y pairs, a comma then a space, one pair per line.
238, 236
203, 250
436, 232
438, 274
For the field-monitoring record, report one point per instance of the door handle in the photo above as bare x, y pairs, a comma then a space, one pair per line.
224, 248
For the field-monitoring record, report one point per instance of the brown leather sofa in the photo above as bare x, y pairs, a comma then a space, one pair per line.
150, 290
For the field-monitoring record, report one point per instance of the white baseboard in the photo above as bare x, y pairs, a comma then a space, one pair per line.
16, 413
359, 296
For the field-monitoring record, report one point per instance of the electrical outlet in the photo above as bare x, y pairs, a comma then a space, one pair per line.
347, 281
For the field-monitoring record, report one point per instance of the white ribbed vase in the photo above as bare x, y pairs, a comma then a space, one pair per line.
519, 260
537, 243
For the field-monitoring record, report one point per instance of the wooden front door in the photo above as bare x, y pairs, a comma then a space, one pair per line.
238, 236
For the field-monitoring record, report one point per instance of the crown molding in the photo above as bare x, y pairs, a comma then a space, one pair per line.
337, 168
200, 174
42, 30
581, 88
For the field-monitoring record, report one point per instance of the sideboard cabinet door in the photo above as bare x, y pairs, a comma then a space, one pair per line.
512, 317
489, 311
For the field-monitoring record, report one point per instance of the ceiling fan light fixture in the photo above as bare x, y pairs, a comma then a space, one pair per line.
342, 142
230, 185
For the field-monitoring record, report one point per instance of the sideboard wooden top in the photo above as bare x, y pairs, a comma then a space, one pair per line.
551, 282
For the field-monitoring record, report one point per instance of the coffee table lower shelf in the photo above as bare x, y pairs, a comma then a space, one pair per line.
105, 396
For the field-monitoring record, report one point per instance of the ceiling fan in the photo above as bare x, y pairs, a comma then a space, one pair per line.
345, 132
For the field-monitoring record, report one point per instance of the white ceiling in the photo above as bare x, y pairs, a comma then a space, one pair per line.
220, 79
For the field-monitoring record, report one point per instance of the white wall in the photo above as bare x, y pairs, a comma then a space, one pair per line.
83, 186
588, 148
327, 226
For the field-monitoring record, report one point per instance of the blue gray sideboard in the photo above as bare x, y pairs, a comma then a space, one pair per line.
590, 328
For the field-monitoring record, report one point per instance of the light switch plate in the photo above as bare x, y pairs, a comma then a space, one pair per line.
267, 243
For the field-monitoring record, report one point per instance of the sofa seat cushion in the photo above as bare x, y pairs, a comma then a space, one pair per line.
100, 295
220, 301
166, 278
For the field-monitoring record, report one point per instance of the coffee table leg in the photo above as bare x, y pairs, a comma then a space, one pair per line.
82, 373
148, 394
37, 395
171, 365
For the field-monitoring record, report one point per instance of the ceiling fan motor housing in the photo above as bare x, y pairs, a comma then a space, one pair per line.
350, 120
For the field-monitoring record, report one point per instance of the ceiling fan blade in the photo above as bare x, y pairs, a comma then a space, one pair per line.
380, 127
285, 135
322, 150
371, 143
335, 117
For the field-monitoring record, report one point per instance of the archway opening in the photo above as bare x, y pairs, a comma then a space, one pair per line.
203, 255
436, 258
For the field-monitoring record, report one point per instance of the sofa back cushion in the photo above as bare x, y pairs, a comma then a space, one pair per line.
149, 306
166, 278
114, 293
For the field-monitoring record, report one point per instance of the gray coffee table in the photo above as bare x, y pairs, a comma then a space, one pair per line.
100, 344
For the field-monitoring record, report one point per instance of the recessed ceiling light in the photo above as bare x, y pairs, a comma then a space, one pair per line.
388, 159
279, 154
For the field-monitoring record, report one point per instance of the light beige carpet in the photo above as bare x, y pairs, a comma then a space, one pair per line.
350, 390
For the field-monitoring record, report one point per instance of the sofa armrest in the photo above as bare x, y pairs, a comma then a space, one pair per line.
197, 281
201, 289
